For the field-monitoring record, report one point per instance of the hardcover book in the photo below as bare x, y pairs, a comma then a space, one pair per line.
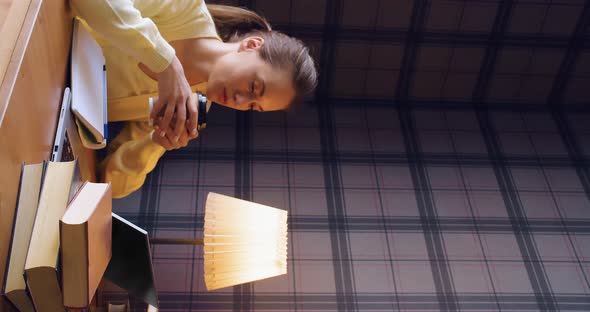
41, 265
85, 235
15, 288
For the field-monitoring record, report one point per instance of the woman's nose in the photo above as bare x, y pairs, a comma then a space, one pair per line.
243, 101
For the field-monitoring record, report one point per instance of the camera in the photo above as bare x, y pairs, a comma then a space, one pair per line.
201, 108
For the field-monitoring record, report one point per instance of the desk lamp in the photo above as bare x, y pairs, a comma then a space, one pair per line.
243, 241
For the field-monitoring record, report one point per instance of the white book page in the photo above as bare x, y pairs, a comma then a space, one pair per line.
88, 82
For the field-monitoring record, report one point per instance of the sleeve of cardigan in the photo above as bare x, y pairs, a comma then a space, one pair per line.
131, 156
122, 24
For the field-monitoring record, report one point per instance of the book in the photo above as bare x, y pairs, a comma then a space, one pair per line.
89, 95
24, 216
131, 262
86, 158
41, 264
85, 243
122, 307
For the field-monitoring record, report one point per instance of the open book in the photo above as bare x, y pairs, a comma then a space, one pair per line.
89, 96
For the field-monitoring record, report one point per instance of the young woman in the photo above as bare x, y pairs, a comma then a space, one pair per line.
172, 48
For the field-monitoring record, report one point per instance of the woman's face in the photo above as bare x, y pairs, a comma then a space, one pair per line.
242, 80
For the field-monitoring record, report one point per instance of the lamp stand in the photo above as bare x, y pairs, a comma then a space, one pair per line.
176, 241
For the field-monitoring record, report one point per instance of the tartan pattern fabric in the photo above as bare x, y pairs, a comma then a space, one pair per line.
443, 164
389, 209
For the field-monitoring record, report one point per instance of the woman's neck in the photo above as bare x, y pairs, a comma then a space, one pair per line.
199, 55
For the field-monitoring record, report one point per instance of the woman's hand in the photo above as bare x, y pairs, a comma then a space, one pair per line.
173, 100
166, 138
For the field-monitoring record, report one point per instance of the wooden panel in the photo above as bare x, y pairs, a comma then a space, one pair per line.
4, 8
28, 128
12, 17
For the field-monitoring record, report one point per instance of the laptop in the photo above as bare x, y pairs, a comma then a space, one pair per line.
62, 149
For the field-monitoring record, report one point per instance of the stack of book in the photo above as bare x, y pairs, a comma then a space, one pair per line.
61, 239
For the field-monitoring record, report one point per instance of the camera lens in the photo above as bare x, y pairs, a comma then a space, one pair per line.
202, 108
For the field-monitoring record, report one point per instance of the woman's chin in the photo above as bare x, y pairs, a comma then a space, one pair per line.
219, 100
214, 97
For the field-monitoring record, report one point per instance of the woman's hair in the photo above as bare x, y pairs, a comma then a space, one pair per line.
280, 50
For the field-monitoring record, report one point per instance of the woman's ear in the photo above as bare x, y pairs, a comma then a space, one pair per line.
251, 43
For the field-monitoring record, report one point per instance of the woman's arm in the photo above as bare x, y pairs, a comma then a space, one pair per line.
119, 22
122, 24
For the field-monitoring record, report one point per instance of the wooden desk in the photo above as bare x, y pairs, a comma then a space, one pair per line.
33, 78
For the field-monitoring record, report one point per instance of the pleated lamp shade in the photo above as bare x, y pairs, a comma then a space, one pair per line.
243, 241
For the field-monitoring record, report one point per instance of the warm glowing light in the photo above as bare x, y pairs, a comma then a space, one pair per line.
244, 241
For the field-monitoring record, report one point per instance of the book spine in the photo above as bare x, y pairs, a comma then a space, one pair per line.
105, 111
21, 300
43, 284
77, 309
22, 169
74, 260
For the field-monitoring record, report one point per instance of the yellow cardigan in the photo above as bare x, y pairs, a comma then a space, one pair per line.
130, 32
